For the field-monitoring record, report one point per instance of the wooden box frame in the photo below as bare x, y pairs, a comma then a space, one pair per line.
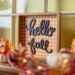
22, 28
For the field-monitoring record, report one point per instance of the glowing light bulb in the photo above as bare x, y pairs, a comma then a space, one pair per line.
24, 60
65, 61
29, 72
39, 68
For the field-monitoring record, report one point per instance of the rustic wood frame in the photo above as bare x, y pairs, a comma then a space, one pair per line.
23, 27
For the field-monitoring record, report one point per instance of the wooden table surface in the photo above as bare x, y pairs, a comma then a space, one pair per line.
6, 69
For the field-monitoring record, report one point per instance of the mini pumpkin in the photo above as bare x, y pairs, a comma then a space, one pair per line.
55, 60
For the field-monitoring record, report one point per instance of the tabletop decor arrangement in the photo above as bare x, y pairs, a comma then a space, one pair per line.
55, 63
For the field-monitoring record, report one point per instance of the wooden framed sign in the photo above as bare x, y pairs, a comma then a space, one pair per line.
39, 33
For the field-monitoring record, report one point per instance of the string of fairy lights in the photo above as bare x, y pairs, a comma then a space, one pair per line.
40, 67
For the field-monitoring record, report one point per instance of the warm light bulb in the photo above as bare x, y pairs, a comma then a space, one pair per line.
24, 60
65, 61
29, 72
39, 67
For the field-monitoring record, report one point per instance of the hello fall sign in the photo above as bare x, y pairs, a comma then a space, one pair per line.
39, 33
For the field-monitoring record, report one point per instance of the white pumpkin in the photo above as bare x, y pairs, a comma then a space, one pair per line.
53, 60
